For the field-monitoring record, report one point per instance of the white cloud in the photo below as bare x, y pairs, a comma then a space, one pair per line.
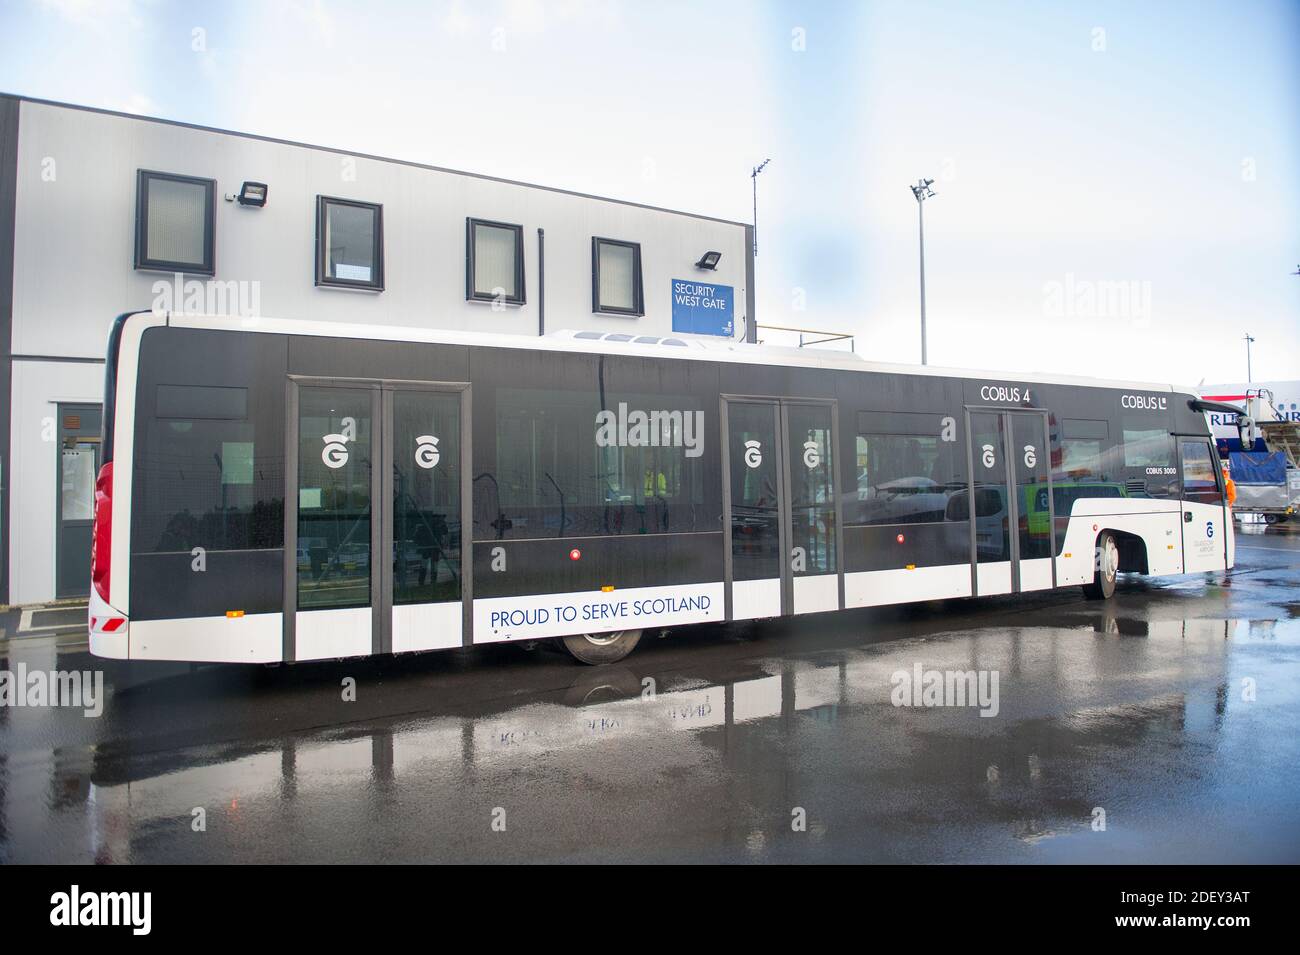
315, 14
136, 103
103, 16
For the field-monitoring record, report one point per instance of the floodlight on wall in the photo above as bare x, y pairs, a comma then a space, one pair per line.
709, 261
250, 194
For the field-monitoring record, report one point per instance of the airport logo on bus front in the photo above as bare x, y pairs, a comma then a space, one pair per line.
650, 429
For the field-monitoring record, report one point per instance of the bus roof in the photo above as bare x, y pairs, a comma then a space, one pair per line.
650, 346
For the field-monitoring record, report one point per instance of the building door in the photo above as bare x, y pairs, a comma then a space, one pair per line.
781, 535
1010, 501
1204, 508
79, 452
378, 518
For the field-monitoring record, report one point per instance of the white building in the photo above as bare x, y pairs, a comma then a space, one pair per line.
102, 213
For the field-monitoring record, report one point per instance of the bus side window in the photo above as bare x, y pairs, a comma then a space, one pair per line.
1199, 481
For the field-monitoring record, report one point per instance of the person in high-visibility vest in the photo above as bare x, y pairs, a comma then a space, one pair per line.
656, 486
653, 487
1229, 485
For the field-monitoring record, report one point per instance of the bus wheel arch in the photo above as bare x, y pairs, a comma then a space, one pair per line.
597, 649
1132, 552
1114, 552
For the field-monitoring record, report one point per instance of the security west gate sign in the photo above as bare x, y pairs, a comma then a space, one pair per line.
702, 309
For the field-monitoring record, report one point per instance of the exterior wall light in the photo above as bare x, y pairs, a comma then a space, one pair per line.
250, 194
709, 261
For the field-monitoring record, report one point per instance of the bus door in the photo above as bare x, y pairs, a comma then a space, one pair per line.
1010, 501
782, 529
1204, 506
375, 516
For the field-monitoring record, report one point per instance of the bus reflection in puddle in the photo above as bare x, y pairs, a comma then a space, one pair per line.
765, 718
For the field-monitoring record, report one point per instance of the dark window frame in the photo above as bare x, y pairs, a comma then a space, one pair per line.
323, 279
142, 261
638, 289
471, 293
1216, 469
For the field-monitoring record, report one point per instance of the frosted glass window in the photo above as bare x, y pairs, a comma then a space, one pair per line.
617, 287
616, 277
174, 223
495, 261
177, 216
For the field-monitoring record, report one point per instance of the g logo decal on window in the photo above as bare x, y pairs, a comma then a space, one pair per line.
812, 455
335, 452
427, 454
753, 454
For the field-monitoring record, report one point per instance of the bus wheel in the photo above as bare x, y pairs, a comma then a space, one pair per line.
598, 648
1107, 564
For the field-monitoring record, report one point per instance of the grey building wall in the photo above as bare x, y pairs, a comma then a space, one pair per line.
67, 229
8, 182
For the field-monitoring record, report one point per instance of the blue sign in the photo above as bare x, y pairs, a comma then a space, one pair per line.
702, 309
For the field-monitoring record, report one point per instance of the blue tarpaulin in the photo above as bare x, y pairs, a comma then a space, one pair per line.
1257, 467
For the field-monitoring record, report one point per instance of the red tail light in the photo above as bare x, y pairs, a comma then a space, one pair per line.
101, 539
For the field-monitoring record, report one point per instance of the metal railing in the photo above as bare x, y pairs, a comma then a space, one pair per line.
825, 337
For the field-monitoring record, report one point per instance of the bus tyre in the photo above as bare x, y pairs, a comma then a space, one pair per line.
598, 648
1106, 562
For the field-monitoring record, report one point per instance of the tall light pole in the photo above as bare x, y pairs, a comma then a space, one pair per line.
1248, 341
754, 178
922, 191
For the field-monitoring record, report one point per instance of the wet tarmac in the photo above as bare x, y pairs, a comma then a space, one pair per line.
1160, 726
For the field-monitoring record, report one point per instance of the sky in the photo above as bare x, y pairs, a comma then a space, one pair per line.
1117, 185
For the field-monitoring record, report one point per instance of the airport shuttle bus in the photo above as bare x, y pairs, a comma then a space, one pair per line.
279, 491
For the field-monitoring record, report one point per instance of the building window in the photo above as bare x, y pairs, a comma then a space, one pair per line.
174, 221
616, 277
494, 262
349, 244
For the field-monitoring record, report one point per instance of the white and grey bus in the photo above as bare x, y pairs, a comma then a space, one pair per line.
293, 490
